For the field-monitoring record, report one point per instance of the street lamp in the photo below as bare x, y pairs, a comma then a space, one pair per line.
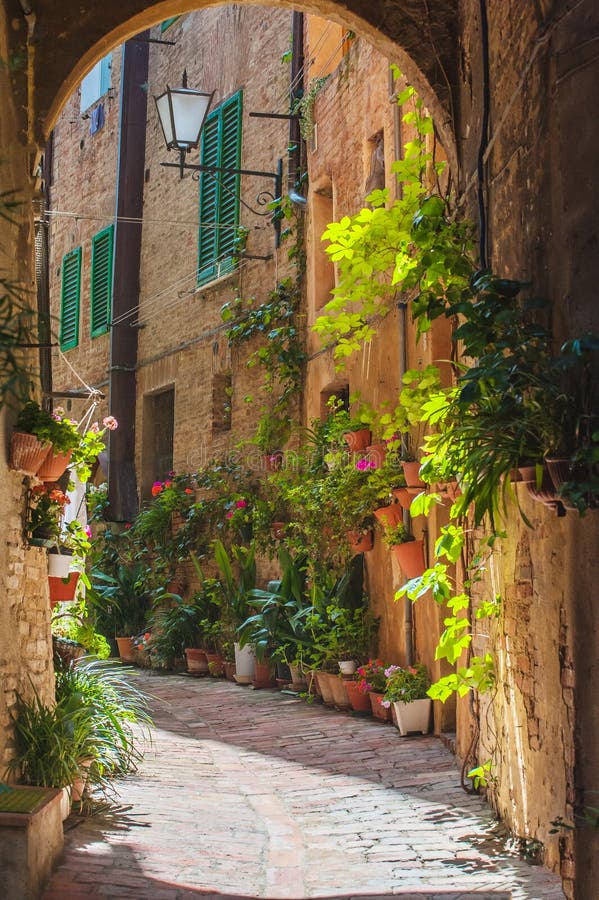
182, 113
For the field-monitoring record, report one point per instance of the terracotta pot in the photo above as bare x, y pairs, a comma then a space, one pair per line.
449, 490
272, 462
337, 686
376, 453
546, 494
278, 530
78, 786
360, 541
197, 661
410, 556
215, 664
229, 668
125, 645
54, 465
389, 516
528, 474
359, 701
63, 590
560, 470
298, 680
402, 496
263, 677
411, 470
359, 440
380, 712
414, 716
27, 453
325, 689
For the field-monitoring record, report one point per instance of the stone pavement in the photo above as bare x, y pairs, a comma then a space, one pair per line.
257, 794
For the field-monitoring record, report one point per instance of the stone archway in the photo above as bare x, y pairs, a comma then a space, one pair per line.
63, 41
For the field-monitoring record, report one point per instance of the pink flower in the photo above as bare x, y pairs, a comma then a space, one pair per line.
391, 670
110, 422
240, 504
385, 703
127, 526
230, 514
88, 531
94, 428
363, 464
168, 484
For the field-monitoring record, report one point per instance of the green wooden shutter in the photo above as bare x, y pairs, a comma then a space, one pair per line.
101, 281
230, 184
167, 23
69, 301
207, 242
219, 193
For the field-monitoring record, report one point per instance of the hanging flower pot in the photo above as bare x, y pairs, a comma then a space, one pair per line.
62, 590
389, 516
411, 470
410, 556
27, 453
376, 453
59, 564
54, 465
402, 496
359, 440
360, 541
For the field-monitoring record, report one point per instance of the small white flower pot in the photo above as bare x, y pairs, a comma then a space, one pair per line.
59, 565
347, 666
414, 716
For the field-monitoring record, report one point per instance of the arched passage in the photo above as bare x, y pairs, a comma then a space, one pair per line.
65, 41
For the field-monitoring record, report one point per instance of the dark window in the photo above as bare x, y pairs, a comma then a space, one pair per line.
219, 191
158, 432
69, 301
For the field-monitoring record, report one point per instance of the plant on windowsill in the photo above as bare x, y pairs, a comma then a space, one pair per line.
46, 506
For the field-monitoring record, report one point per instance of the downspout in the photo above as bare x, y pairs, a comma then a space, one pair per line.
43, 280
122, 485
296, 91
403, 362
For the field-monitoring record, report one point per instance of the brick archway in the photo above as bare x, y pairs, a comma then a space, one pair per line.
66, 41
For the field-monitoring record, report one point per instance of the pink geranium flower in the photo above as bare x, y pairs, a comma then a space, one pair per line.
240, 504
110, 422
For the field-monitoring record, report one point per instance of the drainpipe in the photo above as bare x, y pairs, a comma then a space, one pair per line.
403, 363
295, 138
122, 486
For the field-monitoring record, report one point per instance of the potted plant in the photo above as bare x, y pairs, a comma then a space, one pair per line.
46, 506
53, 435
123, 600
406, 691
407, 550
271, 435
237, 568
372, 681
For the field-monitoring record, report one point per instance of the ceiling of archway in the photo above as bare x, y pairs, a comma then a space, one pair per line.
70, 36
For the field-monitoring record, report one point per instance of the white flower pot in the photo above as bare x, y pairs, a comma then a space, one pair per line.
347, 666
245, 664
59, 565
414, 716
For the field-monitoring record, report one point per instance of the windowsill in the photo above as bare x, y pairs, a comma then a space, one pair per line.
216, 282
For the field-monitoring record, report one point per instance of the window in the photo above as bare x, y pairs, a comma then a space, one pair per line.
219, 192
158, 433
69, 301
101, 281
96, 83
167, 23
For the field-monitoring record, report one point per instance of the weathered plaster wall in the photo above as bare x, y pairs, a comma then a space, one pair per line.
25, 644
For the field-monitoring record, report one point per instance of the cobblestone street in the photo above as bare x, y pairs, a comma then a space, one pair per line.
257, 794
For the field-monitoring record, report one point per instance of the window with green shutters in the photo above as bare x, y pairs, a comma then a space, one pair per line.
219, 191
101, 281
69, 300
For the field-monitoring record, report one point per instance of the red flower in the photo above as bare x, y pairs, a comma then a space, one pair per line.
156, 488
188, 491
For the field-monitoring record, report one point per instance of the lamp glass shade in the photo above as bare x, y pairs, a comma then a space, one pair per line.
182, 112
